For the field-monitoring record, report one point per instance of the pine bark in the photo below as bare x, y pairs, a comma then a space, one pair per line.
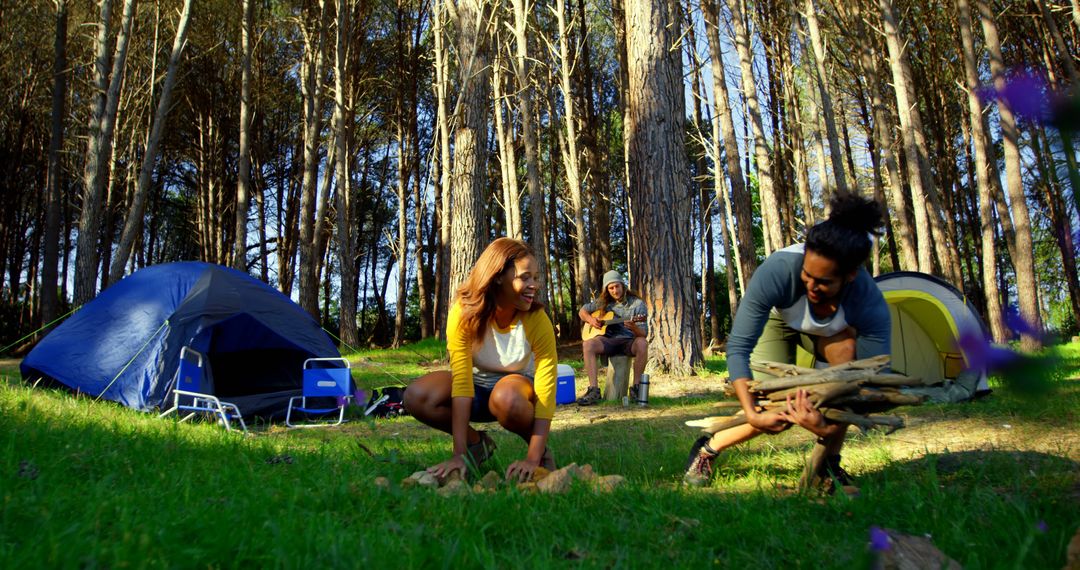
770, 212
526, 96
507, 157
86, 256
134, 218
346, 244
571, 164
443, 190
909, 124
741, 215
820, 75
660, 198
313, 31
469, 232
243, 174
53, 190
1023, 262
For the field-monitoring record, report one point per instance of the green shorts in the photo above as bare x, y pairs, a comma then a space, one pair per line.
781, 343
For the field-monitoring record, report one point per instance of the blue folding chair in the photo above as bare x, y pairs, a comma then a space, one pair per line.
332, 382
190, 393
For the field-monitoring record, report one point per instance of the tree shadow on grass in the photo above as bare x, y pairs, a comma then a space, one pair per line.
1003, 470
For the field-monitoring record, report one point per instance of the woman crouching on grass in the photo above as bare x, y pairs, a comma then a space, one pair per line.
502, 364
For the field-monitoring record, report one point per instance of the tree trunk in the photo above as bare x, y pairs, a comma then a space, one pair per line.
1059, 216
243, 175
1066, 55
769, 202
54, 188
469, 232
592, 154
1024, 263
795, 128
86, 256
134, 218
507, 157
311, 74
346, 244
660, 198
705, 199
740, 212
523, 73
443, 190
570, 159
618, 15
883, 141
909, 123
826, 101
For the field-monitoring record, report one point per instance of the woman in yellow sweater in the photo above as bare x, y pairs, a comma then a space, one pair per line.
502, 364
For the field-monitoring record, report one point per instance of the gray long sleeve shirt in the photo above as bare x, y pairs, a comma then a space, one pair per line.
777, 284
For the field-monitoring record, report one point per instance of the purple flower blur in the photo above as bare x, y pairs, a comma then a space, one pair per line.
1018, 324
1042, 527
1024, 92
879, 539
982, 354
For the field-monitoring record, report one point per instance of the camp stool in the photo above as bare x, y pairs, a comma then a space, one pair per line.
190, 383
323, 383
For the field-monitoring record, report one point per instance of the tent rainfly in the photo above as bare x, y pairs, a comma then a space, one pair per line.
125, 345
928, 317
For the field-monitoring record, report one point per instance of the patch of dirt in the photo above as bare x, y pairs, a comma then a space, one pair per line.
933, 434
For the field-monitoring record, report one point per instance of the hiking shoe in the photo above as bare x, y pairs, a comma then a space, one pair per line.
834, 471
833, 478
633, 393
547, 461
591, 396
699, 469
482, 450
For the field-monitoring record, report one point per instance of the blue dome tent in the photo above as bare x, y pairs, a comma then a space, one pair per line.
125, 345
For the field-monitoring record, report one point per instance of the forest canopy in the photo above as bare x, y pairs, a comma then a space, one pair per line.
358, 155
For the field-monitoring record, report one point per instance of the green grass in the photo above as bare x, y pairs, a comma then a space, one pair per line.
90, 484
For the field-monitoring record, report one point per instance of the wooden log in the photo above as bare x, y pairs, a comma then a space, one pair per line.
781, 369
894, 379
825, 392
826, 376
731, 404
870, 395
864, 423
872, 363
720, 424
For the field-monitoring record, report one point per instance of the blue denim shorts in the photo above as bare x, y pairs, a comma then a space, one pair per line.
483, 384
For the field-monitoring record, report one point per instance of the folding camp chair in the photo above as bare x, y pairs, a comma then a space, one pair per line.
189, 393
323, 383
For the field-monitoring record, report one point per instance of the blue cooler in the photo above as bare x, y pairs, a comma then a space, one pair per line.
564, 385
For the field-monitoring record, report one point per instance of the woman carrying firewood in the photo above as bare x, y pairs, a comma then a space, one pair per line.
502, 364
816, 295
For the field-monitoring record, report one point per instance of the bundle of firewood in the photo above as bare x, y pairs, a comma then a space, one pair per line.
856, 393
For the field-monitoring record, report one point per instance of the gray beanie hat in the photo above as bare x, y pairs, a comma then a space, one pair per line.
613, 277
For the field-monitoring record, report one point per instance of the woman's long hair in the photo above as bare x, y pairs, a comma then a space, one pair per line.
845, 236
477, 296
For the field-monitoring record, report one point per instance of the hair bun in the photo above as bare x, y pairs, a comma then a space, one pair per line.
857, 213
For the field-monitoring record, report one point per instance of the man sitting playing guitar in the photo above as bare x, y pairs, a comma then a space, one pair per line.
614, 325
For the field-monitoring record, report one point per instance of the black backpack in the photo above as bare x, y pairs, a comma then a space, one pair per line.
386, 402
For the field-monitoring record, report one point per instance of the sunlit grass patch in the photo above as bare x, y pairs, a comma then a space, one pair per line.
89, 483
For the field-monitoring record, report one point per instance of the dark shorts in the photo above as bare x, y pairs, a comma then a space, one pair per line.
617, 346
483, 385
780, 343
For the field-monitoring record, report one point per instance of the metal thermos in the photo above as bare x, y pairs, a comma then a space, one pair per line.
643, 391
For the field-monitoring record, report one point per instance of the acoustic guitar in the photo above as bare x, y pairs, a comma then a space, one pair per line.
608, 318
